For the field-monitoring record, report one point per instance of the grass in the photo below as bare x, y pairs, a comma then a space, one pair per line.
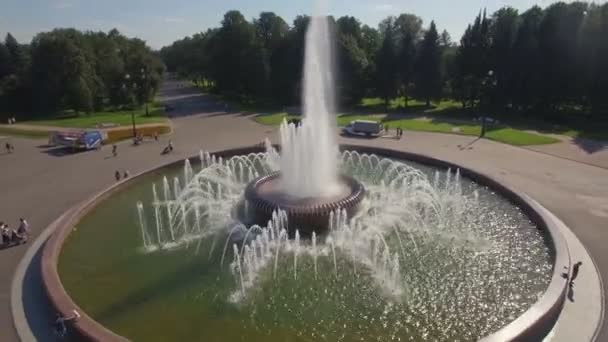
119, 118
519, 138
501, 134
376, 103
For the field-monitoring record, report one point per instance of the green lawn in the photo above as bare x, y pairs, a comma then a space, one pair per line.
376, 103
519, 138
119, 118
505, 135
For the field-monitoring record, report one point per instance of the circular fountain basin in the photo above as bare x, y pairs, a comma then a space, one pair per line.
494, 272
305, 214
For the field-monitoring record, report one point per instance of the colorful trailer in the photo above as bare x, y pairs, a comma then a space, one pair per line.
78, 140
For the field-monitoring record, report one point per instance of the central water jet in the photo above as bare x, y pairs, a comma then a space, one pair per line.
308, 187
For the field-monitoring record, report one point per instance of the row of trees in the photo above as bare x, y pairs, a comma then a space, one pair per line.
539, 59
68, 69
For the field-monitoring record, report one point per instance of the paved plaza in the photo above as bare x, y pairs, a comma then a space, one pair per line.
40, 183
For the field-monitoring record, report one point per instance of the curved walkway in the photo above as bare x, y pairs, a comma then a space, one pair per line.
39, 184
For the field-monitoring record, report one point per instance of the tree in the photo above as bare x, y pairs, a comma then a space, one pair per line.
386, 62
526, 76
233, 49
445, 40
17, 58
503, 32
406, 63
428, 70
558, 36
472, 61
270, 30
79, 95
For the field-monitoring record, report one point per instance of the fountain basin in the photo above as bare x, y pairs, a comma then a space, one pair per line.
264, 196
126, 261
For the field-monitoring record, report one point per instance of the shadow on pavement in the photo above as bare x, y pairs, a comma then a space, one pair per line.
38, 309
590, 146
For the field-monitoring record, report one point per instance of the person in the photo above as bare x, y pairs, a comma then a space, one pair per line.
114, 150
15, 236
117, 175
9, 147
170, 146
60, 327
386, 129
125, 174
23, 231
5, 233
155, 136
575, 272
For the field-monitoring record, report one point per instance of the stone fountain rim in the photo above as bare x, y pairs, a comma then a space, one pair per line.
533, 324
354, 197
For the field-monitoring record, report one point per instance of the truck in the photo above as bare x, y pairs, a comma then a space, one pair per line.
363, 127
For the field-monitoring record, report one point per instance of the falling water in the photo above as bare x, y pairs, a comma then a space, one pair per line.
314, 251
308, 158
142, 223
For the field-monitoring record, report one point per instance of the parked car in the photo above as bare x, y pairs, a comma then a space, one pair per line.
363, 127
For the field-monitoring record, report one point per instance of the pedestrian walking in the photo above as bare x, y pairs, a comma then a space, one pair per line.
9, 147
155, 136
117, 175
575, 272
114, 150
125, 174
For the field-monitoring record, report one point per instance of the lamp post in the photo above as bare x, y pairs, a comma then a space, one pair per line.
487, 82
144, 75
127, 78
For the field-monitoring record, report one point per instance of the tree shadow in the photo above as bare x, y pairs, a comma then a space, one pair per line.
590, 146
39, 311
180, 278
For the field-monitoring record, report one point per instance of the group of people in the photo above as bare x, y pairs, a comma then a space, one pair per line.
11, 121
14, 236
117, 175
398, 131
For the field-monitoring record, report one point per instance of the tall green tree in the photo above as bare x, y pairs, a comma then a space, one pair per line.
386, 62
428, 66
503, 32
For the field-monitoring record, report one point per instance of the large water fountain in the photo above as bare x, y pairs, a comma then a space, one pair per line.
307, 187
309, 243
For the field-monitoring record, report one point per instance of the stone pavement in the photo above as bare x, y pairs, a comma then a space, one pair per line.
40, 183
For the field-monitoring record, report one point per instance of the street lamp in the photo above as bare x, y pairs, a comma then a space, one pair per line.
146, 90
127, 78
487, 82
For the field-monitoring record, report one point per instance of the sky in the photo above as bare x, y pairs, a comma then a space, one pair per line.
160, 22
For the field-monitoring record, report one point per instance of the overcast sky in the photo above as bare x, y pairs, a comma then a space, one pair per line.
160, 22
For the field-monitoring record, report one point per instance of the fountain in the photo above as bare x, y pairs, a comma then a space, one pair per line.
310, 243
308, 187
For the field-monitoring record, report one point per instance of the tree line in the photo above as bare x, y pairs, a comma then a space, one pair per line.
66, 69
541, 59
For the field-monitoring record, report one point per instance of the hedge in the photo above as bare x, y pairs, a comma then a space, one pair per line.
123, 133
